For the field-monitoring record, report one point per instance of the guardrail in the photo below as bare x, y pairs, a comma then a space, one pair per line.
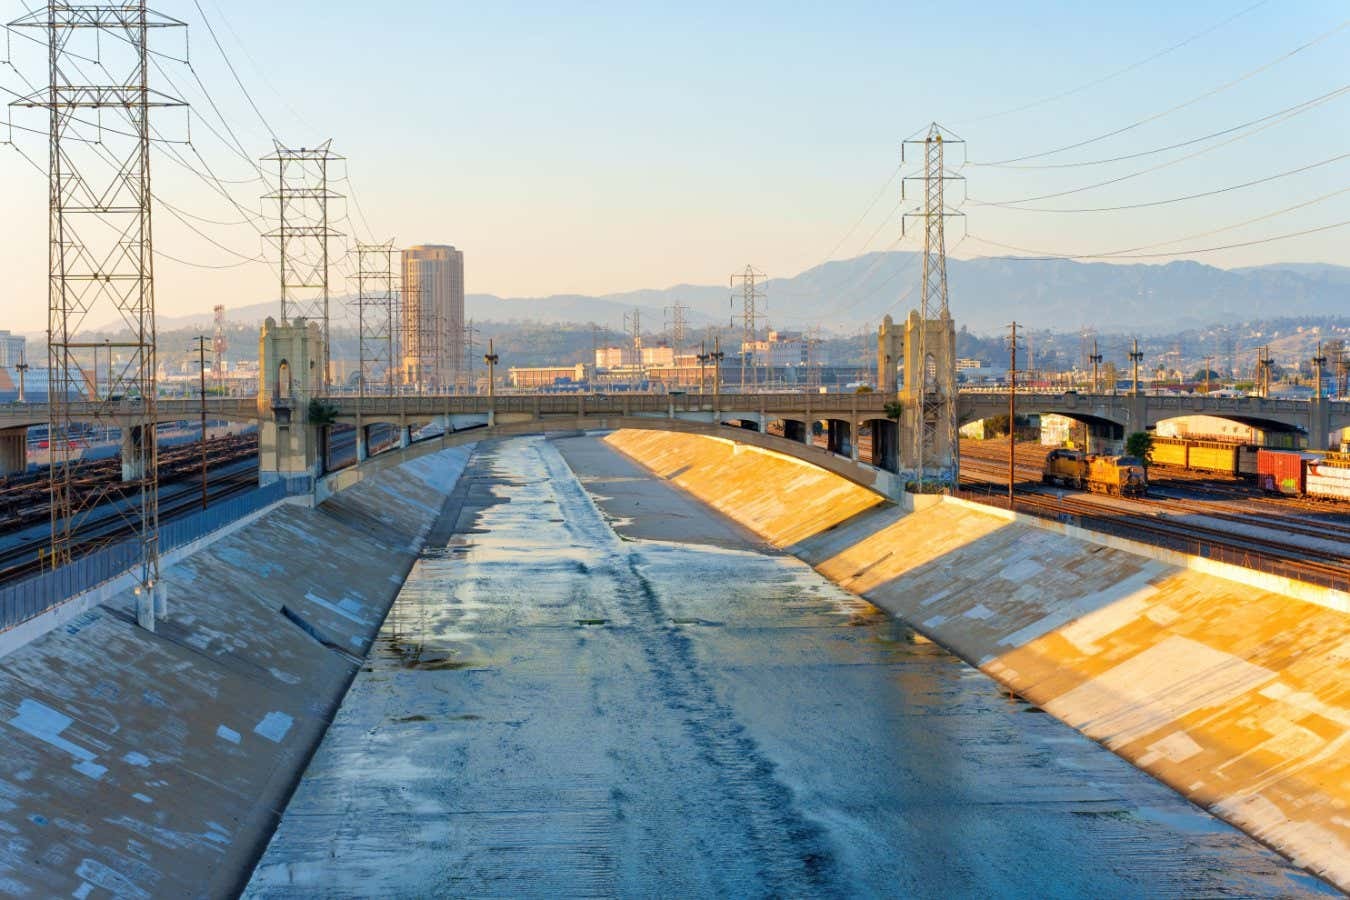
37, 594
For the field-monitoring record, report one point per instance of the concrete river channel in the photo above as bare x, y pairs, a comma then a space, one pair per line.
592, 685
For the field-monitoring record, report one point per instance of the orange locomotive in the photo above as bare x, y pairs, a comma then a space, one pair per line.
1122, 475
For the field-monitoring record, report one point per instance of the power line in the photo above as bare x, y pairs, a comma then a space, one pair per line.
1189, 237
1119, 72
1269, 240
1170, 200
1298, 107
230, 65
1180, 106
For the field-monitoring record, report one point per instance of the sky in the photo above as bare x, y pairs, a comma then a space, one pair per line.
594, 148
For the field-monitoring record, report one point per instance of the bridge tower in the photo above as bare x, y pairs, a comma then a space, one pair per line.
291, 360
890, 347
930, 399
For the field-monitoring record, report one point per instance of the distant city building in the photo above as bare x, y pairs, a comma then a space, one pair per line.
433, 318
12, 349
784, 348
658, 356
966, 364
615, 357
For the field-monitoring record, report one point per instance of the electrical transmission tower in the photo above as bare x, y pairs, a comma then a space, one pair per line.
753, 312
375, 315
632, 323
677, 325
101, 262
934, 381
219, 344
302, 236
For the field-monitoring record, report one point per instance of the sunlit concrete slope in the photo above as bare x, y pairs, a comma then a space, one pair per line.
135, 764
1218, 682
803, 500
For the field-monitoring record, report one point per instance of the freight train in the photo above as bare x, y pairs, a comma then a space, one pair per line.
1323, 476
1205, 456
1121, 475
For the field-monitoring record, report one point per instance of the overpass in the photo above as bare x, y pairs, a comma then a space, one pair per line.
844, 416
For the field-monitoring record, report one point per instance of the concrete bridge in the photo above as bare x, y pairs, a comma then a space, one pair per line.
842, 417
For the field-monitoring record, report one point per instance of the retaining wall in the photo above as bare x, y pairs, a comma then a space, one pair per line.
1227, 685
142, 764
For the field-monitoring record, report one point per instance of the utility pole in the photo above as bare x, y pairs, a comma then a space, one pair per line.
201, 364
101, 255
1263, 366
302, 236
752, 303
1136, 357
470, 333
1012, 418
1209, 362
1318, 362
491, 358
937, 403
1096, 368
717, 357
22, 369
703, 358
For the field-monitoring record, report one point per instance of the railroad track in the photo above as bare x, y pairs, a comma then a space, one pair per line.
111, 523
1311, 564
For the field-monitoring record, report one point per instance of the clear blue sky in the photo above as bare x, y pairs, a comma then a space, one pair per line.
593, 148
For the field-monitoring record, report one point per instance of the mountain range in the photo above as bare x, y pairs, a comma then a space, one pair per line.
984, 294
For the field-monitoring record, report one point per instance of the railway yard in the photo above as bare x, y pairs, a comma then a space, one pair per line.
1206, 514
25, 527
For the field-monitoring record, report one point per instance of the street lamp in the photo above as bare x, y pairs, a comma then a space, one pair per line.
201, 359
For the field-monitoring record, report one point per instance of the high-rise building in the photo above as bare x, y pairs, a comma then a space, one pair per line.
433, 318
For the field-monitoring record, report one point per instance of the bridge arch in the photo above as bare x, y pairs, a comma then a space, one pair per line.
878, 480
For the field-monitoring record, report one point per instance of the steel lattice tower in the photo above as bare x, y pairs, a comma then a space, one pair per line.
937, 414
752, 301
101, 259
302, 236
375, 315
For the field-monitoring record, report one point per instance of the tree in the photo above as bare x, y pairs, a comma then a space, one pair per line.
1140, 446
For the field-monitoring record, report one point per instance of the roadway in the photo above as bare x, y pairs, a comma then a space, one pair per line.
591, 685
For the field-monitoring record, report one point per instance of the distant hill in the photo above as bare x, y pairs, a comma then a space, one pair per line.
986, 294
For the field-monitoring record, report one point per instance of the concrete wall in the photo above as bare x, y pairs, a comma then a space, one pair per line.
1228, 685
139, 764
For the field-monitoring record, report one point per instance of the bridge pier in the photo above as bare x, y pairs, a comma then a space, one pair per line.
133, 455
13, 451
362, 443
404, 436
1319, 424
838, 436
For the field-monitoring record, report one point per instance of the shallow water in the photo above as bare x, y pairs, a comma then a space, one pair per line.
553, 709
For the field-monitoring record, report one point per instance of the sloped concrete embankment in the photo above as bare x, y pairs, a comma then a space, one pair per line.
137, 764
1225, 684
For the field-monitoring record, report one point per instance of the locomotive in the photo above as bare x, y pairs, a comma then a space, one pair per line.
1121, 475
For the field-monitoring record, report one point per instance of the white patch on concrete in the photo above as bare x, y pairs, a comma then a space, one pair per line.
46, 724
979, 611
90, 770
336, 607
1176, 747
1085, 632
1156, 688
1081, 606
82, 891
274, 726
935, 622
227, 734
1023, 570
143, 798
139, 760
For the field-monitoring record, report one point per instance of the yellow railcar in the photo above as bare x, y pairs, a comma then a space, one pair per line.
1121, 475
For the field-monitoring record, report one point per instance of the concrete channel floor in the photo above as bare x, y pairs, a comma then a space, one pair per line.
593, 686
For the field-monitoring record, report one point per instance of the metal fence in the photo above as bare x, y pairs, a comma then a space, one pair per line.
33, 596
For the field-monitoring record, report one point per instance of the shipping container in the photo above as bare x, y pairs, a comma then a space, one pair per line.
1280, 471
